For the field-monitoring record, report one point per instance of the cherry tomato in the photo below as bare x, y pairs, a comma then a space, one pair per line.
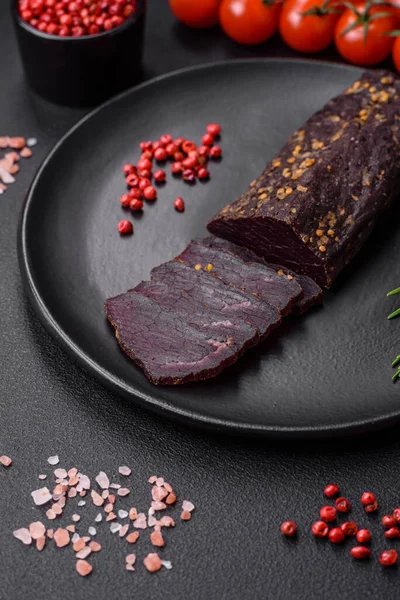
196, 13
361, 49
249, 21
396, 53
394, 8
308, 33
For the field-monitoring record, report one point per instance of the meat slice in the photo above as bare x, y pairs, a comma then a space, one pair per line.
317, 201
280, 292
211, 292
168, 349
312, 293
193, 312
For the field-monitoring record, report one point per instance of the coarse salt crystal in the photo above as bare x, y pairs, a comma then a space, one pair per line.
115, 486
37, 530
61, 474
83, 567
41, 496
151, 521
124, 530
5, 461
23, 535
123, 514
98, 517
103, 480
123, 492
42, 476
152, 479
53, 460
84, 553
97, 499
186, 505
92, 530
76, 518
31, 142
140, 522
81, 503
167, 564
75, 537
126, 471
130, 559
129, 567
114, 527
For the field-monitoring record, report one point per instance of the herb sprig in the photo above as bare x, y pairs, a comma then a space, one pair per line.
394, 314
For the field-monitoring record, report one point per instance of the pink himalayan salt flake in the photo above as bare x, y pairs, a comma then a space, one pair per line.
50, 514
115, 486
111, 498
108, 508
167, 564
152, 562
86, 538
186, 505
168, 487
123, 492
158, 505
123, 514
95, 546
60, 473
151, 511
6, 176
72, 472
4, 140
41, 496
53, 460
75, 538
79, 544
124, 530
84, 483
76, 518
37, 530
6, 461
73, 481
12, 157
23, 535
62, 501
105, 494
114, 527
151, 521
84, 553
83, 567
50, 533
160, 481
16, 142
14, 169
97, 499
171, 498
103, 480
140, 522
130, 559
152, 479
133, 514
111, 516
57, 509
82, 493
167, 521
133, 537
72, 493
61, 537
42, 476
71, 528
186, 515
26, 152
158, 493
157, 539
40, 543
129, 567
126, 471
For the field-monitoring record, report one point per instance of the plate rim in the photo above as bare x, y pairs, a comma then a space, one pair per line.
114, 383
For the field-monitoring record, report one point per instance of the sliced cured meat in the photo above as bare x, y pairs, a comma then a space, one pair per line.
211, 292
193, 312
169, 350
312, 293
317, 201
265, 283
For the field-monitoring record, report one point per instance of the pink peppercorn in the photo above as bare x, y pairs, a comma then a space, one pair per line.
176, 168
328, 513
136, 205
331, 490
125, 200
214, 129
360, 552
179, 204
125, 227
136, 193
216, 152
207, 139
336, 535
144, 183
160, 154
203, 173
389, 521
189, 175
363, 536
150, 193
320, 529
166, 139
159, 176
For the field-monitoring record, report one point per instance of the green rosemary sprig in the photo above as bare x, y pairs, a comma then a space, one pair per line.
394, 314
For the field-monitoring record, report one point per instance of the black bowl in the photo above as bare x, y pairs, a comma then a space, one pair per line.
82, 71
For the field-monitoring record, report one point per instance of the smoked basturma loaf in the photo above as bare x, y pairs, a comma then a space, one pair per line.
312, 293
317, 201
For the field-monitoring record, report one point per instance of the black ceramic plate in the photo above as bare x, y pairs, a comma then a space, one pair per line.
325, 373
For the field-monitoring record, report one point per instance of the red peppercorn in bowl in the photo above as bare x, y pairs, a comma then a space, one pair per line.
80, 52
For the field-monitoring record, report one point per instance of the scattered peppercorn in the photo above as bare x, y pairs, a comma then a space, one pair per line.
150, 193
360, 552
125, 200
389, 521
214, 129
328, 513
159, 176
343, 505
289, 528
363, 536
331, 490
136, 205
371, 507
125, 227
216, 152
336, 535
349, 528
388, 558
179, 204
368, 498
320, 529
392, 533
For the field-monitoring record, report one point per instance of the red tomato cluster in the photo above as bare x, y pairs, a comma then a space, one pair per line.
360, 30
75, 18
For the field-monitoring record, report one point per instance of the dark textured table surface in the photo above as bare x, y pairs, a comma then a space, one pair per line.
243, 490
